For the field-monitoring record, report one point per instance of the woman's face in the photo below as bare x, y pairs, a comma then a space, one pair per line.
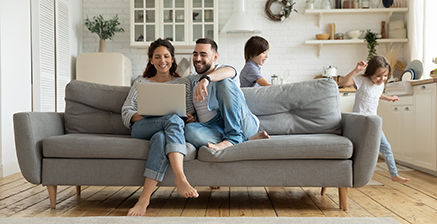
161, 59
261, 58
380, 76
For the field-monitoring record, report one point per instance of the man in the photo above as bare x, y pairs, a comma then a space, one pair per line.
222, 112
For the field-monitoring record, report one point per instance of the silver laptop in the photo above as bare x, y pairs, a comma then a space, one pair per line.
158, 99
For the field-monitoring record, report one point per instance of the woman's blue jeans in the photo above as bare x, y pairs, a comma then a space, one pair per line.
166, 135
234, 122
385, 149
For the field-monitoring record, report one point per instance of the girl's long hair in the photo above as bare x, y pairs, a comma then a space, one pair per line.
375, 63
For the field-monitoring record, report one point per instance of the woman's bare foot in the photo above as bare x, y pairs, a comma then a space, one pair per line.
400, 179
139, 208
260, 135
185, 189
219, 146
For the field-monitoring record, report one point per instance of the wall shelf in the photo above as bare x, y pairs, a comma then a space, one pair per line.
359, 41
321, 12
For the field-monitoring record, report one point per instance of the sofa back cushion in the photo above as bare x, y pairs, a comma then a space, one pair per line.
94, 108
297, 108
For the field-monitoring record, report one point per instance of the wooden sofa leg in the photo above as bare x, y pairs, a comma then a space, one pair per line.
78, 190
342, 197
323, 190
52, 189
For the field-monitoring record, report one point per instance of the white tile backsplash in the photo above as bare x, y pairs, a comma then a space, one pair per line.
287, 51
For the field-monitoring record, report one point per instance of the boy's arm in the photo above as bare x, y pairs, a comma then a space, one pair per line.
262, 82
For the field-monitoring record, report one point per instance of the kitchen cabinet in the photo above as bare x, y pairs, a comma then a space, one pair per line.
180, 21
398, 120
347, 101
425, 146
411, 128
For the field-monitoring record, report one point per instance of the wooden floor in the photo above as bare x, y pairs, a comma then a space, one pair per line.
413, 202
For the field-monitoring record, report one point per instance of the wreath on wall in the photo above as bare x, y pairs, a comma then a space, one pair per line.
287, 9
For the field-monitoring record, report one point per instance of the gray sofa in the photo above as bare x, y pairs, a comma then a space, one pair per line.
312, 143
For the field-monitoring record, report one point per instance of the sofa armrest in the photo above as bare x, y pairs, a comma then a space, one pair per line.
30, 129
365, 133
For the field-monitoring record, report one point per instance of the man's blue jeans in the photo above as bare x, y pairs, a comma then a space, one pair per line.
234, 122
385, 149
166, 135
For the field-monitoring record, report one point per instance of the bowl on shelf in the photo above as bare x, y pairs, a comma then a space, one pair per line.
354, 34
322, 36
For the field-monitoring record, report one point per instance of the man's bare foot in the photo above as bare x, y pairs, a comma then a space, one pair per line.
400, 179
139, 208
219, 146
260, 135
185, 189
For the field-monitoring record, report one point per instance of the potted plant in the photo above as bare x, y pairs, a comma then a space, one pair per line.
371, 44
106, 29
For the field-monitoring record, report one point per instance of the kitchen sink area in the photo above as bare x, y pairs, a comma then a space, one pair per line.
399, 88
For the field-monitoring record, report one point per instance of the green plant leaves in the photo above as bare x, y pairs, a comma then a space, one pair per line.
105, 29
371, 44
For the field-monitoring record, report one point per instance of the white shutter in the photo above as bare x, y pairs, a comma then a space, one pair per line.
43, 57
63, 56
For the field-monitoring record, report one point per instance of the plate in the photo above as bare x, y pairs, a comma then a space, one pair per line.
417, 67
408, 75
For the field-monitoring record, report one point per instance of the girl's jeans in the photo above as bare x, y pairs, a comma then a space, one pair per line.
166, 135
234, 122
385, 149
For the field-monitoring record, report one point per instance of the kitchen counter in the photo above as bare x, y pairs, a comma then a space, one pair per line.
423, 81
347, 89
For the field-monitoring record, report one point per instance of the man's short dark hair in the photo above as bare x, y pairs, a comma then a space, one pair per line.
213, 44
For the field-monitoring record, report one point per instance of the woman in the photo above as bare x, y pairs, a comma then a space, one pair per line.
166, 133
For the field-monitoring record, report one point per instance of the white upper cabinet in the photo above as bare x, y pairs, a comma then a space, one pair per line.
180, 21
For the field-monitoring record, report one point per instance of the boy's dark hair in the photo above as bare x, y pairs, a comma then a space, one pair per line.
254, 47
375, 63
150, 69
213, 44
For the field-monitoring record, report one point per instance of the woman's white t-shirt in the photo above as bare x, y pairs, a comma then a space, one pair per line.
367, 95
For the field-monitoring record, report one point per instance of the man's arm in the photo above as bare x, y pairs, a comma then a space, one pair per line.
214, 76
222, 73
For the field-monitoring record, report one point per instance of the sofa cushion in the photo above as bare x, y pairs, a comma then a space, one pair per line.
101, 146
314, 146
94, 108
297, 108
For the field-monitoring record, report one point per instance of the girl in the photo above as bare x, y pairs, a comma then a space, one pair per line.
166, 133
256, 53
369, 90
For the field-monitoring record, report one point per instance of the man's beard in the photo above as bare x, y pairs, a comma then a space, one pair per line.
204, 70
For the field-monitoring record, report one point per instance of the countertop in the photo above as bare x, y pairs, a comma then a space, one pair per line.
347, 89
423, 81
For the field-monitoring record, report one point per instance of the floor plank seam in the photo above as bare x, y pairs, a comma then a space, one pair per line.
271, 201
371, 198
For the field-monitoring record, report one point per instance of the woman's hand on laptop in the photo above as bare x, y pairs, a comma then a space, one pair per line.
200, 91
190, 119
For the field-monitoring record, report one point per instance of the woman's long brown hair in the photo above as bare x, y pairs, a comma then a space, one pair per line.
150, 69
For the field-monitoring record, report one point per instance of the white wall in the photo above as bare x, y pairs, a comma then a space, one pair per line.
15, 69
76, 33
287, 50
15, 75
